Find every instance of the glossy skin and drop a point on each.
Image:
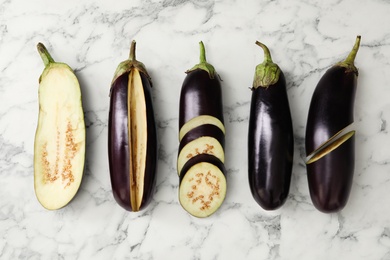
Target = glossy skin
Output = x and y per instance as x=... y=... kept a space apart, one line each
x=118 y=150
x=203 y=130
x=270 y=145
x=331 y=110
x=200 y=95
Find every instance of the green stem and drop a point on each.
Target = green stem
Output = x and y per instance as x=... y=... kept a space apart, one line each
x=45 y=55
x=267 y=54
x=132 y=51
x=202 y=53
x=352 y=55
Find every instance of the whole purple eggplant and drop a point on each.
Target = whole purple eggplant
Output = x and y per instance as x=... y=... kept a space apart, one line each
x=331 y=166
x=270 y=136
x=132 y=138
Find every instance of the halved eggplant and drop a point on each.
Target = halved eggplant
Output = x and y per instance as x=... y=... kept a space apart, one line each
x=270 y=136
x=59 y=147
x=331 y=167
x=132 y=140
x=202 y=185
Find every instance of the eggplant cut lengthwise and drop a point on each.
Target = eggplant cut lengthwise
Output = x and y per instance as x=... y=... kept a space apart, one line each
x=330 y=146
x=270 y=136
x=202 y=186
x=59 y=147
x=132 y=137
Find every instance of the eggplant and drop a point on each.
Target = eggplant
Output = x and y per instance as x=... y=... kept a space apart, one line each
x=270 y=136
x=201 y=94
x=202 y=136
x=202 y=186
x=203 y=139
x=330 y=168
x=59 y=146
x=132 y=136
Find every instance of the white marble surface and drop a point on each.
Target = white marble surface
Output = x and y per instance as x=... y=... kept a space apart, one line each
x=305 y=38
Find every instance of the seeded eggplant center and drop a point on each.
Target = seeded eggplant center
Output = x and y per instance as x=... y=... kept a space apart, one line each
x=201 y=194
x=69 y=151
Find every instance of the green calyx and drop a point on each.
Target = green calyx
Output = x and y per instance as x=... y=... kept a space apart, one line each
x=129 y=64
x=203 y=65
x=349 y=61
x=45 y=55
x=266 y=73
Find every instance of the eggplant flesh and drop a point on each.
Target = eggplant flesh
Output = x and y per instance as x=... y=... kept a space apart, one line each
x=331 y=168
x=202 y=145
x=132 y=142
x=200 y=121
x=202 y=186
x=59 y=147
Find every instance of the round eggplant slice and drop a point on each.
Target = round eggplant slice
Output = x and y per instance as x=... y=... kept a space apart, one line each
x=202 y=188
x=198 y=121
x=202 y=145
x=203 y=130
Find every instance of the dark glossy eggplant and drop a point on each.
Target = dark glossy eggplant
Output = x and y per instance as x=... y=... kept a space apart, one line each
x=202 y=186
x=270 y=136
x=201 y=92
x=132 y=137
x=207 y=139
x=331 y=166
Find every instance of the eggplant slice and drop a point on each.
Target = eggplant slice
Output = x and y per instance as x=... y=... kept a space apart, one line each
x=202 y=186
x=198 y=121
x=59 y=148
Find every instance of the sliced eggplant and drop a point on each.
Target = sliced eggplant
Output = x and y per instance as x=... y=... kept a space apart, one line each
x=59 y=147
x=198 y=121
x=202 y=186
x=202 y=145
x=270 y=136
x=331 y=167
x=132 y=137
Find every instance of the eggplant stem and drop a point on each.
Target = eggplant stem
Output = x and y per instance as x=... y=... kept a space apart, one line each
x=352 y=55
x=132 y=51
x=267 y=53
x=202 y=57
x=45 y=55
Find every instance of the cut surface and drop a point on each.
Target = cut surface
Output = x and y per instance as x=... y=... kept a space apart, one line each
x=137 y=125
x=202 y=145
x=59 y=148
x=202 y=189
x=329 y=147
x=200 y=120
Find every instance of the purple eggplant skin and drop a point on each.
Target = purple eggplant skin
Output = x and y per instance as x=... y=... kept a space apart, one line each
x=200 y=131
x=118 y=140
x=270 y=140
x=201 y=93
x=331 y=110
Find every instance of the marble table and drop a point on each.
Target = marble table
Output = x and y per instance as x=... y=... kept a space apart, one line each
x=305 y=38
